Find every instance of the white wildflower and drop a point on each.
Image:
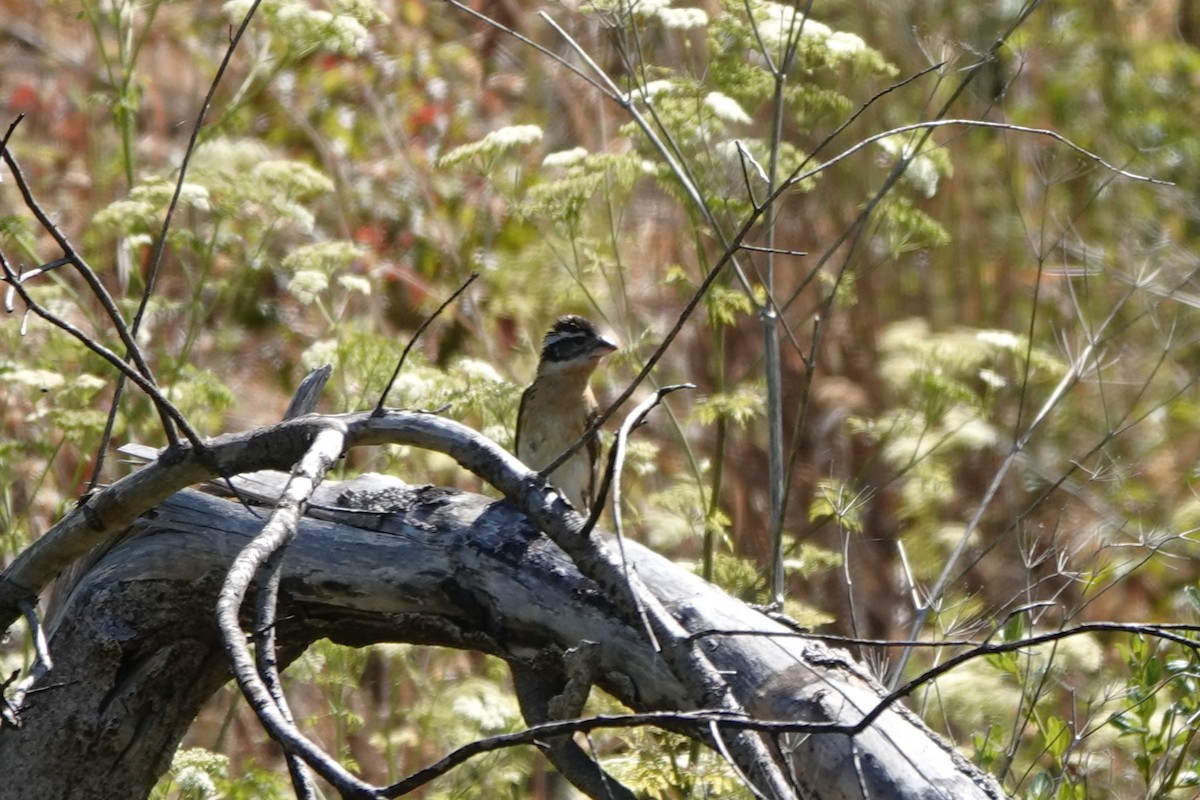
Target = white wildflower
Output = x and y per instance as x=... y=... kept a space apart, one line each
x=495 y=142
x=648 y=7
x=355 y=283
x=1001 y=340
x=488 y=712
x=347 y=36
x=195 y=782
x=291 y=178
x=816 y=30
x=328 y=257
x=41 y=379
x=725 y=108
x=655 y=87
x=565 y=158
x=992 y=379
x=235 y=10
x=779 y=23
x=682 y=18
x=485 y=259
x=513 y=135
x=842 y=43
x=474 y=369
x=320 y=353
x=306 y=284
x=194 y=195
x=89 y=382
x=970 y=433
x=921 y=172
x=365 y=11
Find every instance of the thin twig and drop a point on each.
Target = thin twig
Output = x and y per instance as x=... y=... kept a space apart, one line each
x=416 y=336
x=616 y=457
x=42 y=664
x=681 y=722
x=798 y=177
x=325 y=448
x=267 y=662
x=771 y=320
x=686 y=722
x=612 y=478
x=669 y=154
x=160 y=245
x=160 y=401
x=29 y=274
x=81 y=266
x=304 y=401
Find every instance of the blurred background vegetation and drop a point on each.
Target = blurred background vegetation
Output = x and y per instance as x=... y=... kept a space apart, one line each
x=987 y=383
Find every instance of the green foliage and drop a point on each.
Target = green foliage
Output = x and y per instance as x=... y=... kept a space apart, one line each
x=833 y=500
x=199 y=774
x=906 y=228
x=354 y=169
x=301 y=30
x=740 y=406
x=666 y=766
x=953 y=392
x=1155 y=723
x=572 y=184
x=492 y=146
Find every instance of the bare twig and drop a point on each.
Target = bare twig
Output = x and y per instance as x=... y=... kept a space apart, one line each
x=161 y=242
x=170 y=417
x=267 y=663
x=555 y=691
x=72 y=255
x=42 y=664
x=304 y=401
x=768 y=317
x=612 y=478
x=326 y=447
x=685 y=721
x=417 y=335
x=30 y=274
x=616 y=456
x=974 y=123
x=821 y=317
x=165 y=407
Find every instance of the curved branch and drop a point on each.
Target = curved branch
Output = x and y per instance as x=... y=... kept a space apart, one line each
x=716 y=674
x=974 y=123
x=327 y=447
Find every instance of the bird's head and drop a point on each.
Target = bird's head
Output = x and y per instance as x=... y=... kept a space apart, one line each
x=573 y=343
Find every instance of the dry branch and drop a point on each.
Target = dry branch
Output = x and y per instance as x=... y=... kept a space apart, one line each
x=457 y=570
x=467 y=572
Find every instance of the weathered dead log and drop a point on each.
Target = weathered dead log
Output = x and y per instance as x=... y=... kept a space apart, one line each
x=137 y=653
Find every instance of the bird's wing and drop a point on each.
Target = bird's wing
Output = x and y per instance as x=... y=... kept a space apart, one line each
x=593 y=455
x=520 y=422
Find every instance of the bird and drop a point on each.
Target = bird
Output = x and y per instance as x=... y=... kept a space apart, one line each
x=559 y=406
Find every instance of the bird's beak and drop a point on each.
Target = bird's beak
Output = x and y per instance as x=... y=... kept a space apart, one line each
x=605 y=346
